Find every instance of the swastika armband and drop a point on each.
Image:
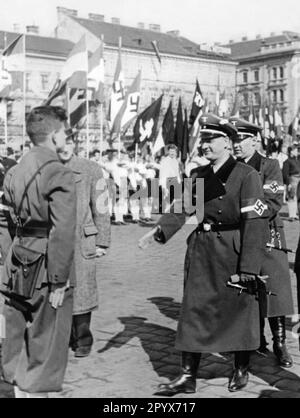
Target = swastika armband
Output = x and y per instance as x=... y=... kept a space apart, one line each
x=274 y=187
x=253 y=208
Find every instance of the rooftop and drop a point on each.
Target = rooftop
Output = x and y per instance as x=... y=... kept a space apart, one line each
x=39 y=44
x=246 y=48
x=140 y=39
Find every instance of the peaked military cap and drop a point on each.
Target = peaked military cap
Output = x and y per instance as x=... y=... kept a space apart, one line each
x=245 y=128
x=213 y=126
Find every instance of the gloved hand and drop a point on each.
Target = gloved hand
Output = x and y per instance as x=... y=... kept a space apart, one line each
x=245 y=277
x=249 y=280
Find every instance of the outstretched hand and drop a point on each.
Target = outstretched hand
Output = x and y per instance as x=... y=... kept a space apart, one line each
x=147 y=239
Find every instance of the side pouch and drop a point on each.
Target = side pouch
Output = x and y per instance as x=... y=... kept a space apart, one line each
x=88 y=241
x=25 y=268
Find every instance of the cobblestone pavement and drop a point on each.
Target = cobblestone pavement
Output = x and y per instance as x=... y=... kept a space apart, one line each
x=134 y=330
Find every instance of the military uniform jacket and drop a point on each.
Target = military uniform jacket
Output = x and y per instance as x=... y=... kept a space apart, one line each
x=51 y=200
x=213 y=317
x=275 y=264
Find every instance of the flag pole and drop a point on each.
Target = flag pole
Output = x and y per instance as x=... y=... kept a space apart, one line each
x=24 y=95
x=119 y=136
x=101 y=130
x=68 y=104
x=101 y=113
x=87 y=126
x=136 y=151
x=5 y=124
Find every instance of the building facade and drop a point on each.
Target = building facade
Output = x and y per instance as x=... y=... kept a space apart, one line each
x=268 y=73
x=182 y=62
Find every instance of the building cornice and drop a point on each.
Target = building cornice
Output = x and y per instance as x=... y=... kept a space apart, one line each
x=172 y=56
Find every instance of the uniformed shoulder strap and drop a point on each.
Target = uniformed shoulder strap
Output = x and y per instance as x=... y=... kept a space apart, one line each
x=18 y=210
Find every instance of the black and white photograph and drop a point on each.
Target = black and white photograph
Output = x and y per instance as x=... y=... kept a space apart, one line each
x=149 y=202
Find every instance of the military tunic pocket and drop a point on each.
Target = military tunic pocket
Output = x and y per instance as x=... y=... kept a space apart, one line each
x=88 y=241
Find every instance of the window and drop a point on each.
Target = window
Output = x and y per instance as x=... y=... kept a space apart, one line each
x=274 y=73
x=246 y=99
x=256 y=75
x=274 y=96
x=281 y=71
x=281 y=94
x=45 y=81
x=245 y=76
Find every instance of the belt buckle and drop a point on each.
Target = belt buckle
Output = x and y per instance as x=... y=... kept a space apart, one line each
x=206 y=227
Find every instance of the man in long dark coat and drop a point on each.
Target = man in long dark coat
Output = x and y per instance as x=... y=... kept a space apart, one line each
x=228 y=241
x=35 y=350
x=91 y=242
x=276 y=264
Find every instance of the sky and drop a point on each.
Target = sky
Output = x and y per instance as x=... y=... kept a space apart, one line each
x=201 y=21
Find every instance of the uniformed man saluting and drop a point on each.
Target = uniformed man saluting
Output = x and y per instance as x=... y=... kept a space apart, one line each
x=276 y=264
x=40 y=193
x=229 y=241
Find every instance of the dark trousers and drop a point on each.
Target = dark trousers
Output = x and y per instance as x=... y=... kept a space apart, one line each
x=81 y=334
x=35 y=355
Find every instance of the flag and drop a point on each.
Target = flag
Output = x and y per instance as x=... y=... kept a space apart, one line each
x=96 y=74
x=13 y=68
x=75 y=68
x=13 y=57
x=294 y=126
x=118 y=93
x=145 y=127
x=3 y=110
x=159 y=143
x=5 y=83
x=58 y=95
x=185 y=140
x=178 y=135
x=168 y=126
x=194 y=132
x=251 y=114
x=78 y=106
x=217 y=104
x=236 y=107
x=130 y=106
x=223 y=106
x=198 y=103
x=156 y=50
x=278 y=124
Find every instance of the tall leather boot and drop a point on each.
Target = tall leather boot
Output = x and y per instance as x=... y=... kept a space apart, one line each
x=277 y=325
x=240 y=375
x=186 y=381
x=263 y=348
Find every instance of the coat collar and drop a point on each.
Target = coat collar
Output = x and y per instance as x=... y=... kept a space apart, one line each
x=255 y=161
x=225 y=170
x=214 y=183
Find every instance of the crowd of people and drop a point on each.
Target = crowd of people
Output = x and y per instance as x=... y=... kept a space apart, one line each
x=53 y=229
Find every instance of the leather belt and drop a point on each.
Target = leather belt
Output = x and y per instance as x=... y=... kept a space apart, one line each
x=210 y=227
x=34 y=232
